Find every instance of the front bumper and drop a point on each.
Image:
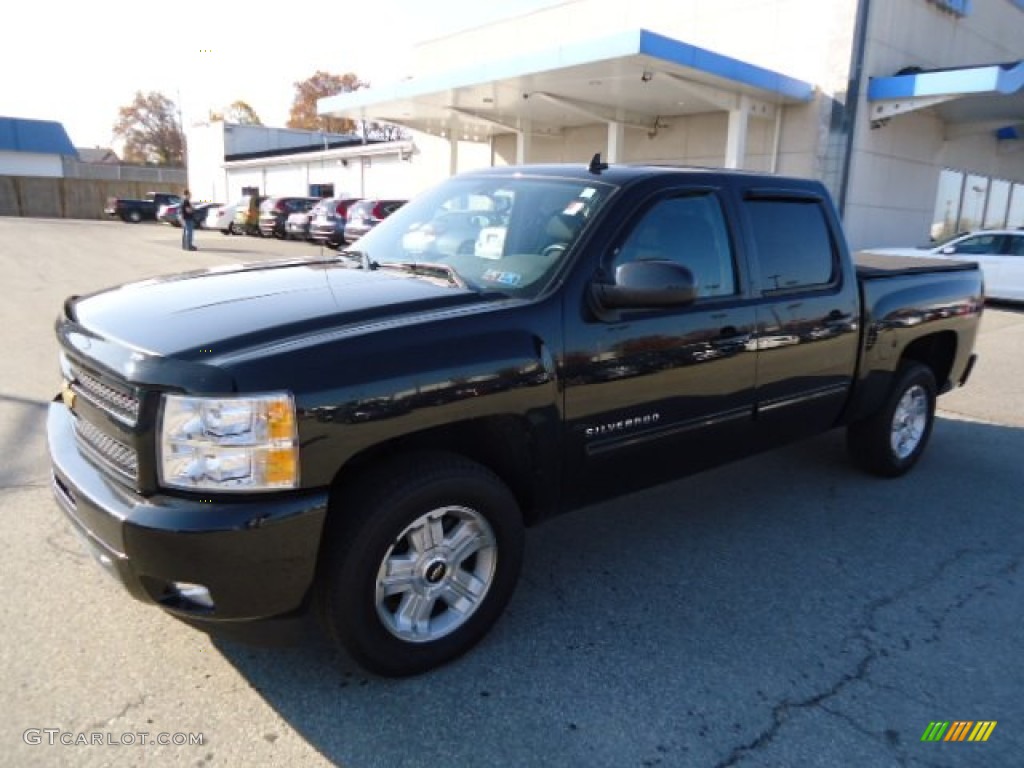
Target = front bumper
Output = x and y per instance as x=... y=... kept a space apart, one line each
x=256 y=555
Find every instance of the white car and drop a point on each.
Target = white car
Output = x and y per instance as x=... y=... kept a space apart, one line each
x=222 y=217
x=999 y=253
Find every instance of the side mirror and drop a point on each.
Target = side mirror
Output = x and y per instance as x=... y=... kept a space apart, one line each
x=949 y=249
x=647 y=284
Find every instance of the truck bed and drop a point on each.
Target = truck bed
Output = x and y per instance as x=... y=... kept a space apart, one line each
x=873 y=265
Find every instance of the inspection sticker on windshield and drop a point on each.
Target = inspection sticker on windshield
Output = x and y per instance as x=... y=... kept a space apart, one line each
x=573 y=208
x=505 y=278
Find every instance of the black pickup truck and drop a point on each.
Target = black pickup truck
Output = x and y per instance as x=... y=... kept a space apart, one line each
x=368 y=434
x=134 y=211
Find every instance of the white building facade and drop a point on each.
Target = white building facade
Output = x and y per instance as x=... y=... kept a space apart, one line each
x=226 y=161
x=908 y=110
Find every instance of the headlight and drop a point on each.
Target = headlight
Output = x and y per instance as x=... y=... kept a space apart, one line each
x=228 y=443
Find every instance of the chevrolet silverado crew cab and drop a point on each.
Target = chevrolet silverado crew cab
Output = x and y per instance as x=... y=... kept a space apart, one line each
x=367 y=435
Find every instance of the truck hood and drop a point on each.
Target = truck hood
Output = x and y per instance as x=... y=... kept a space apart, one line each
x=204 y=314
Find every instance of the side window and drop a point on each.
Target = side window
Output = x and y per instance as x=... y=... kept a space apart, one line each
x=980 y=245
x=794 y=247
x=689 y=230
x=1017 y=245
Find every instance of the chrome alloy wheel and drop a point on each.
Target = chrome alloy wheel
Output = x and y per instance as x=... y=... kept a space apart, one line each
x=436 y=574
x=909 y=421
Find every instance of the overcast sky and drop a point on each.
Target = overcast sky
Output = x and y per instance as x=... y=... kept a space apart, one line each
x=78 y=61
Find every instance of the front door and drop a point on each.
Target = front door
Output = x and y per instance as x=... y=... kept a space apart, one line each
x=655 y=394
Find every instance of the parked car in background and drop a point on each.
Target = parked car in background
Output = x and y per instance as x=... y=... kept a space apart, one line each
x=222 y=217
x=247 y=214
x=327 y=224
x=296 y=226
x=201 y=211
x=364 y=215
x=170 y=213
x=135 y=211
x=274 y=212
x=999 y=253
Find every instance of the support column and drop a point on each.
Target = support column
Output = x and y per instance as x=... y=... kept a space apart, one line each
x=616 y=142
x=524 y=142
x=453 y=152
x=736 y=138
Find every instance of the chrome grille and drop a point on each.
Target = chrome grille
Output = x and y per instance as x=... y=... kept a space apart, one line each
x=112 y=453
x=122 y=404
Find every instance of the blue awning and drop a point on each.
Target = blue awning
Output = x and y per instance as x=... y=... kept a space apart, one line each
x=45 y=137
x=634 y=77
x=989 y=96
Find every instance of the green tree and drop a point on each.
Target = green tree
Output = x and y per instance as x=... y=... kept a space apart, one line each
x=151 y=130
x=321 y=85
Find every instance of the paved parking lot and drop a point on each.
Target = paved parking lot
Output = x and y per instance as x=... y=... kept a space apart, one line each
x=784 y=611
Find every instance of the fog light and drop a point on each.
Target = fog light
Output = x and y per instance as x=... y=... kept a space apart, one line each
x=196 y=594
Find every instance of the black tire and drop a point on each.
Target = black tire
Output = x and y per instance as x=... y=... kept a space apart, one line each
x=134 y=217
x=890 y=442
x=421 y=510
x=233 y=229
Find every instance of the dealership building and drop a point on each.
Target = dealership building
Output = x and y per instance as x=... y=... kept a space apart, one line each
x=910 y=111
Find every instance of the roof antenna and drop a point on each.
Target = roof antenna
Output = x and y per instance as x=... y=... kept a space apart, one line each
x=596 y=166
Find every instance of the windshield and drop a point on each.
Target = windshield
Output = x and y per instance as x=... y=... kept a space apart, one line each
x=494 y=234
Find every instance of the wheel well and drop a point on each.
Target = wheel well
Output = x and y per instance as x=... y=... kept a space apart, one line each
x=504 y=444
x=938 y=352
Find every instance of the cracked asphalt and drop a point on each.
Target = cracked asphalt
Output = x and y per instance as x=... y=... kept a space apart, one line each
x=783 y=611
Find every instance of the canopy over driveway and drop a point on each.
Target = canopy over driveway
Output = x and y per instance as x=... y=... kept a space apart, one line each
x=632 y=79
x=968 y=99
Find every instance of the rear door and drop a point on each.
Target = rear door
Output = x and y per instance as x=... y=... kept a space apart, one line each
x=807 y=332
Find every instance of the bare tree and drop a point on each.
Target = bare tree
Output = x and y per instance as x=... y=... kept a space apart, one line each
x=151 y=130
x=322 y=84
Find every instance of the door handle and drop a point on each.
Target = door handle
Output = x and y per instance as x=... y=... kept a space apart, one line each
x=730 y=336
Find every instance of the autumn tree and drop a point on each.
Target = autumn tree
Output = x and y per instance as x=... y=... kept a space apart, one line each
x=239 y=113
x=321 y=85
x=151 y=130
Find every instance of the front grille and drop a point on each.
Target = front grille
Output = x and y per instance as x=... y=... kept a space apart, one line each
x=120 y=403
x=110 y=452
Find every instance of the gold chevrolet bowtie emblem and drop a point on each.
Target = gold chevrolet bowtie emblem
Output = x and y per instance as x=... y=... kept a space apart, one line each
x=67 y=394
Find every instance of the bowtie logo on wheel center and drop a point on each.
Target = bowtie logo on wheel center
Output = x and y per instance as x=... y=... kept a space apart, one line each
x=435 y=571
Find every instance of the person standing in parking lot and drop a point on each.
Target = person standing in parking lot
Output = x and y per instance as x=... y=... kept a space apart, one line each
x=187 y=211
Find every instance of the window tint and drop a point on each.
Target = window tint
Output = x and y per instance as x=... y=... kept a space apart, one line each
x=1017 y=245
x=793 y=244
x=980 y=245
x=689 y=230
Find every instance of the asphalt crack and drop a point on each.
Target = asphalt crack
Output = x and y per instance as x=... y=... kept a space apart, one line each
x=864 y=633
x=130 y=705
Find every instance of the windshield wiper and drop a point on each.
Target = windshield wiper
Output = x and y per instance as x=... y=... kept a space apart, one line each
x=434 y=269
x=424 y=268
x=361 y=258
